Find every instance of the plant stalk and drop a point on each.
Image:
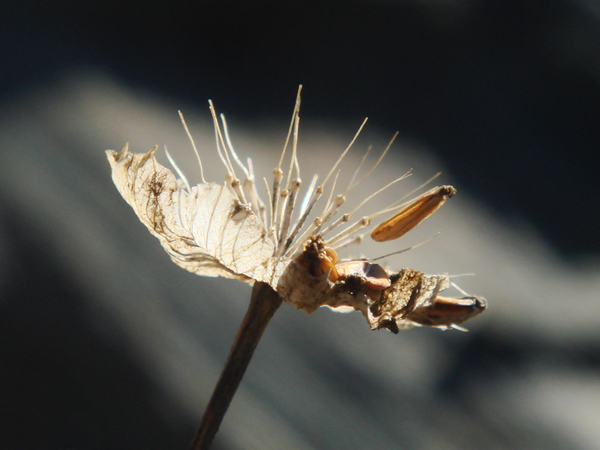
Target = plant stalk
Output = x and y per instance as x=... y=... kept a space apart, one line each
x=263 y=304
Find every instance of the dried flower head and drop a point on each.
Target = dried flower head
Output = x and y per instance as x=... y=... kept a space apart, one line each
x=226 y=230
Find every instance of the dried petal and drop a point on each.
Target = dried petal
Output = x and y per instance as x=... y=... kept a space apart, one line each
x=410 y=290
x=206 y=231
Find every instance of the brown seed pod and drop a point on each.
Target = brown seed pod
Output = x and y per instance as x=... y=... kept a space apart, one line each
x=447 y=312
x=412 y=214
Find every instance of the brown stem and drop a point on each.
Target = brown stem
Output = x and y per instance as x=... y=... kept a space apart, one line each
x=263 y=304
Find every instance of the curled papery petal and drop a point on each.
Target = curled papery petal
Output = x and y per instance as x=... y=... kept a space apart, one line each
x=301 y=289
x=305 y=291
x=313 y=280
x=410 y=290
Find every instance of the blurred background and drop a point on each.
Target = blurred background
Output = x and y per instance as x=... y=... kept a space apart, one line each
x=107 y=344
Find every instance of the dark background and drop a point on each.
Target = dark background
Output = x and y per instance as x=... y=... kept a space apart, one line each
x=505 y=93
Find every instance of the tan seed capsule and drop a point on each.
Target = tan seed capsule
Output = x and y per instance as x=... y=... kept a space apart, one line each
x=448 y=312
x=413 y=214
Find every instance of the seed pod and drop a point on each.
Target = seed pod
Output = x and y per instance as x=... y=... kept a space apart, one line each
x=447 y=312
x=412 y=214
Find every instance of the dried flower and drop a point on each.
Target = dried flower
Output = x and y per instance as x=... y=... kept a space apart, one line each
x=225 y=230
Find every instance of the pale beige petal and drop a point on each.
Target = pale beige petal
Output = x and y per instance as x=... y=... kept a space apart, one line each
x=207 y=231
